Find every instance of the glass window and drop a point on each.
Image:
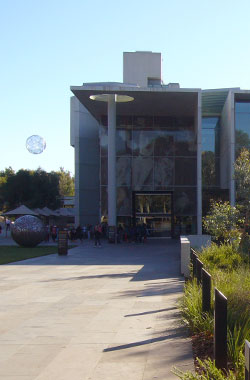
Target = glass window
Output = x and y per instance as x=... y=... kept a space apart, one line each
x=124 y=122
x=242 y=107
x=185 y=201
x=163 y=171
x=104 y=140
x=185 y=143
x=164 y=144
x=142 y=172
x=210 y=134
x=185 y=171
x=104 y=200
x=153 y=203
x=124 y=206
x=210 y=169
x=242 y=128
x=210 y=151
x=123 y=142
x=104 y=170
x=165 y=122
x=185 y=225
x=123 y=171
x=142 y=122
x=143 y=143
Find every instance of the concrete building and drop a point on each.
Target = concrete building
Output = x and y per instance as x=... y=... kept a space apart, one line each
x=154 y=153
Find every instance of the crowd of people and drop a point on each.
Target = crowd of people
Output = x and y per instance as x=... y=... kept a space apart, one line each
x=127 y=234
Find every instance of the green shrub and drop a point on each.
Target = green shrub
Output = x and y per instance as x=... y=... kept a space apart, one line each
x=236 y=287
x=223 y=256
x=191 y=309
x=209 y=371
x=230 y=274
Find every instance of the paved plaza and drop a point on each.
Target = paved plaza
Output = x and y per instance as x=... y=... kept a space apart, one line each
x=105 y=313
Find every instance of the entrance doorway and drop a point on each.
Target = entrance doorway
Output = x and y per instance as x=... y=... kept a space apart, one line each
x=155 y=209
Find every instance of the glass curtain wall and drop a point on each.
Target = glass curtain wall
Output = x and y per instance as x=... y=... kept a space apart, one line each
x=242 y=126
x=153 y=154
x=211 y=162
x=210 y=152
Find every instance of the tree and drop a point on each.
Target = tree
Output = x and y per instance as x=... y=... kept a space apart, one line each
x=223 y=222
x=66 y=183
x=32 y=188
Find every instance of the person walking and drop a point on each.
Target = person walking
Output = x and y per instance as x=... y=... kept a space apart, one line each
x=97 y=235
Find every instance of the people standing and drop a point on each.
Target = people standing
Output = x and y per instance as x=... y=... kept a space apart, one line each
x=97 y=234
x=54 y=233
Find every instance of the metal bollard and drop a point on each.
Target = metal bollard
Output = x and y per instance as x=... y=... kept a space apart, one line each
x=206 y=290
x=220 y=330
x=199 y=266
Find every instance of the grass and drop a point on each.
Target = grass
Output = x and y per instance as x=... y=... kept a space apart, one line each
x=10 y=254
x=230 y=274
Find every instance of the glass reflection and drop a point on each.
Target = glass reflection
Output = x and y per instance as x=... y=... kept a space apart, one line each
x=142 y=172
x=143 y=143
x=142 y=122
x=185 y=201
x=242 y=107
x=185 y=143
x=164 y=144
x=104 y=170
x=185 y=171
x=185 y=225
x=123 y=142
x=104 y=200
x=103 y=140
x=242 y=127
x=153 y=203
x=123 y=171
x=163 y=171
x=124 y=206
x=210 y=151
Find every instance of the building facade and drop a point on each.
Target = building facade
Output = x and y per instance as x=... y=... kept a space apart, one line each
x=146 y=152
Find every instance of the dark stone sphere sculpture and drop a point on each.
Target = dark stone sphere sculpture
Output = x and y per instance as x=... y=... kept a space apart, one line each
x=28 y=231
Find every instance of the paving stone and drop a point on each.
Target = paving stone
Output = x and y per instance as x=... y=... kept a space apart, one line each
x=94 y=314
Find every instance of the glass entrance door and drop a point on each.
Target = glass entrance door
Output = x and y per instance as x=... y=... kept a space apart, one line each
x=155 y=210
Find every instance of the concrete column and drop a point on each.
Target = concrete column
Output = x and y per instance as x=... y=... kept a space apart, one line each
x=112 y=160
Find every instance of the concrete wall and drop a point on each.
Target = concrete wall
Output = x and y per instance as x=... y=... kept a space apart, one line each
x=227 y=147
x=191 y=241
x=85 y=138
x=139 y=66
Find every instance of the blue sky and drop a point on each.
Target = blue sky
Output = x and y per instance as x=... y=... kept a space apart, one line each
x=49 y=45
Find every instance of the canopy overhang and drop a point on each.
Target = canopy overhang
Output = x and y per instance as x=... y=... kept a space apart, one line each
x=159 y=101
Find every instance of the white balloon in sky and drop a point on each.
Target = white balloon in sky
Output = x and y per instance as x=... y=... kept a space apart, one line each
x=35 y=144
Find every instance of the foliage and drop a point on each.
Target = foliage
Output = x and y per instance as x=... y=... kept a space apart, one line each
x=208 y=372
x=217 y=257
x=191 y=309
x=230 y=274
x=34 y=188
x=66 y=183
x=223 y=222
